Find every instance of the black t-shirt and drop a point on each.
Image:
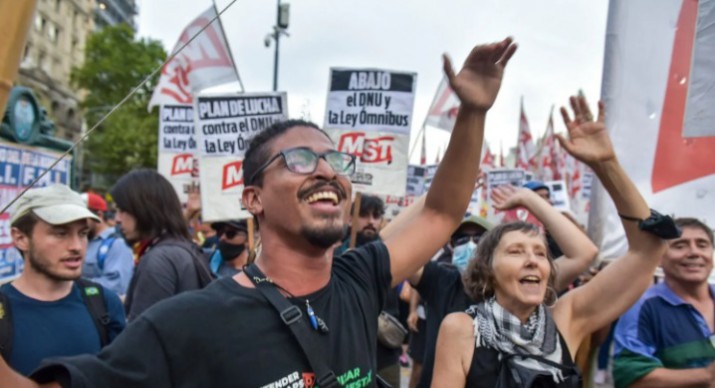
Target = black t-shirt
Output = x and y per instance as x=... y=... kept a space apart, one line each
x=443 y=293
x=230 y=336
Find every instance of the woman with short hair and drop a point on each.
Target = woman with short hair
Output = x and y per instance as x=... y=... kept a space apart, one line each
x=519 y=334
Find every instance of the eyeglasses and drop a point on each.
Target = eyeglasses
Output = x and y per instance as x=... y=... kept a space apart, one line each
x=231 y=233
x=302 y=160
x=460 y=240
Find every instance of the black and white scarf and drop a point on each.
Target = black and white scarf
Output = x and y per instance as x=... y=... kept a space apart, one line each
x=496 y=328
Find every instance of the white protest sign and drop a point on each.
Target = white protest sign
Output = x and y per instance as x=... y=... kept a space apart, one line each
x=177 y=145
x=415 y=188
x=559 y=195
x=225 y=124
x=500 y=177
x=369 y=115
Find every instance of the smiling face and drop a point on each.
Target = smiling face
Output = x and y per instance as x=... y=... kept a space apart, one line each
x=313 y=206
x=521 y=270
x=689 y=259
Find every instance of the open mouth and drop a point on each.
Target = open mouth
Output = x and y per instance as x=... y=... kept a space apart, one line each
x=531 y=279
x=325 y=196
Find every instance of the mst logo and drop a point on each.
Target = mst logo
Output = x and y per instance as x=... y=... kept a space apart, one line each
x=232 y=175
x=182 y=164
x=375 y=150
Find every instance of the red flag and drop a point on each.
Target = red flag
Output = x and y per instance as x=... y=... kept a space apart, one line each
x=205 y=62
x=442 y=113
x=525 y=150
x=549 y=153
x=488 y=159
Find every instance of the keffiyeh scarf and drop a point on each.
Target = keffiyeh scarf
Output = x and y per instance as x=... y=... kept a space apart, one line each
x=496 y=328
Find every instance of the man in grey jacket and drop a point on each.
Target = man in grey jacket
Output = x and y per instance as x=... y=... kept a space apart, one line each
x=149 y=213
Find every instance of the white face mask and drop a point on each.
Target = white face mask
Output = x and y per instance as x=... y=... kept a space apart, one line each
x=462 y=254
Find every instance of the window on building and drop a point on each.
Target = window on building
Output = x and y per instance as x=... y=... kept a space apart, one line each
x=53 y=33
x=41 y=59
x=39 y=23
x=57 y=5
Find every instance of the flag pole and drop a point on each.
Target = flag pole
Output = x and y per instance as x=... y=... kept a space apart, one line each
x=228 y=47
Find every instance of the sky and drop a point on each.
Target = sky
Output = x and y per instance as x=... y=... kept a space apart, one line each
x=561 y=45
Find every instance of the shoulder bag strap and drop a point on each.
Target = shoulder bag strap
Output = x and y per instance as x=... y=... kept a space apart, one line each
x=291 y=316
x=6 y=330
x=93 y=297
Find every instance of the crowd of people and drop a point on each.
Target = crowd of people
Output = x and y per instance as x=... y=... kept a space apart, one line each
x=140 y=304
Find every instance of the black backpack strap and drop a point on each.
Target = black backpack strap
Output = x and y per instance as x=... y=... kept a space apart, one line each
x=291 y=316
x=93 y=297
x=6 y=330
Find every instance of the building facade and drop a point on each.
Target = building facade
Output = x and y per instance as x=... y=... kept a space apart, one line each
x=112 y=12
x=55 y=45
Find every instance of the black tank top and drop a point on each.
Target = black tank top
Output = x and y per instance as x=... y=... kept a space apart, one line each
x=486 y=368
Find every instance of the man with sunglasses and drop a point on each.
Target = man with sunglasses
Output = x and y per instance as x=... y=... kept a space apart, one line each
x=231 y=254
x=297 y=186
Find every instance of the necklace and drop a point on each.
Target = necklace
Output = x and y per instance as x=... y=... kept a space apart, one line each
x=315 y=321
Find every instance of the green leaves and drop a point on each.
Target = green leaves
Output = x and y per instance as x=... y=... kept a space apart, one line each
x=114 y=64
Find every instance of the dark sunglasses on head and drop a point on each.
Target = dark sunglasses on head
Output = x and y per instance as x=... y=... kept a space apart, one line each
x=465 y=239
x=231 y=233
x=302 y=160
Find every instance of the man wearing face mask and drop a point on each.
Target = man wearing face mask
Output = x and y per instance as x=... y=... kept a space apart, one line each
x=231 y=254
x=464 y=242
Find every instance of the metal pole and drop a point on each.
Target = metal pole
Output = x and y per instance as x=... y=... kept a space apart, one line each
x=277 y=36
x=15 y=21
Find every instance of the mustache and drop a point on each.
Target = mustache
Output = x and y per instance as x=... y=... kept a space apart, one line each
x=316 y=187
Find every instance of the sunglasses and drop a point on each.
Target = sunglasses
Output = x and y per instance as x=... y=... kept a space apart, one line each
x=465 y=239
x=302 y=160
x=231 y=233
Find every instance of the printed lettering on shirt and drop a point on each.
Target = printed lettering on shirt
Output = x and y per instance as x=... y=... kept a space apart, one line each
x=293 y=380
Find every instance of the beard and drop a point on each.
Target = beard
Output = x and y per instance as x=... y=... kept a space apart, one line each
x=363 y=238
x=323 y=237
x=43 y=267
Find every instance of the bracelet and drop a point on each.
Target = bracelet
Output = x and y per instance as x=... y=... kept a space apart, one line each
x=628 y=218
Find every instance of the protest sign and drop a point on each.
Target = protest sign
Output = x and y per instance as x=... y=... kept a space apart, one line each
x=369 y=115
x=559 y=195
x=414 y=189
x=500 y=177
x=19 y=166
x=177 y=146
x=225 y=124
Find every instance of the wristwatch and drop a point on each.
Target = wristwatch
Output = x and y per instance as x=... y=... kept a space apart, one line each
x=657 y=224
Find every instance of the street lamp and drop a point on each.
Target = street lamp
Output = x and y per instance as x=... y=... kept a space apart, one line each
x=282 y=19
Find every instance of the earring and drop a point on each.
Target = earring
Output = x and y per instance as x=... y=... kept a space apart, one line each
x=553 y=300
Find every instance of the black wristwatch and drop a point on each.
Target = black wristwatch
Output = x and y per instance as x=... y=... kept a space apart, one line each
x=657 y=224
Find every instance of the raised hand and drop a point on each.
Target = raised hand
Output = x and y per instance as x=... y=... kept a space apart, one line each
x=477 y=84
x=588 y=140
x=508 y=197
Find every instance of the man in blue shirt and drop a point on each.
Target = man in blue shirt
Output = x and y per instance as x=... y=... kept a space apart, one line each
x=48 y=315
x=666 y=338
x=109 y=260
